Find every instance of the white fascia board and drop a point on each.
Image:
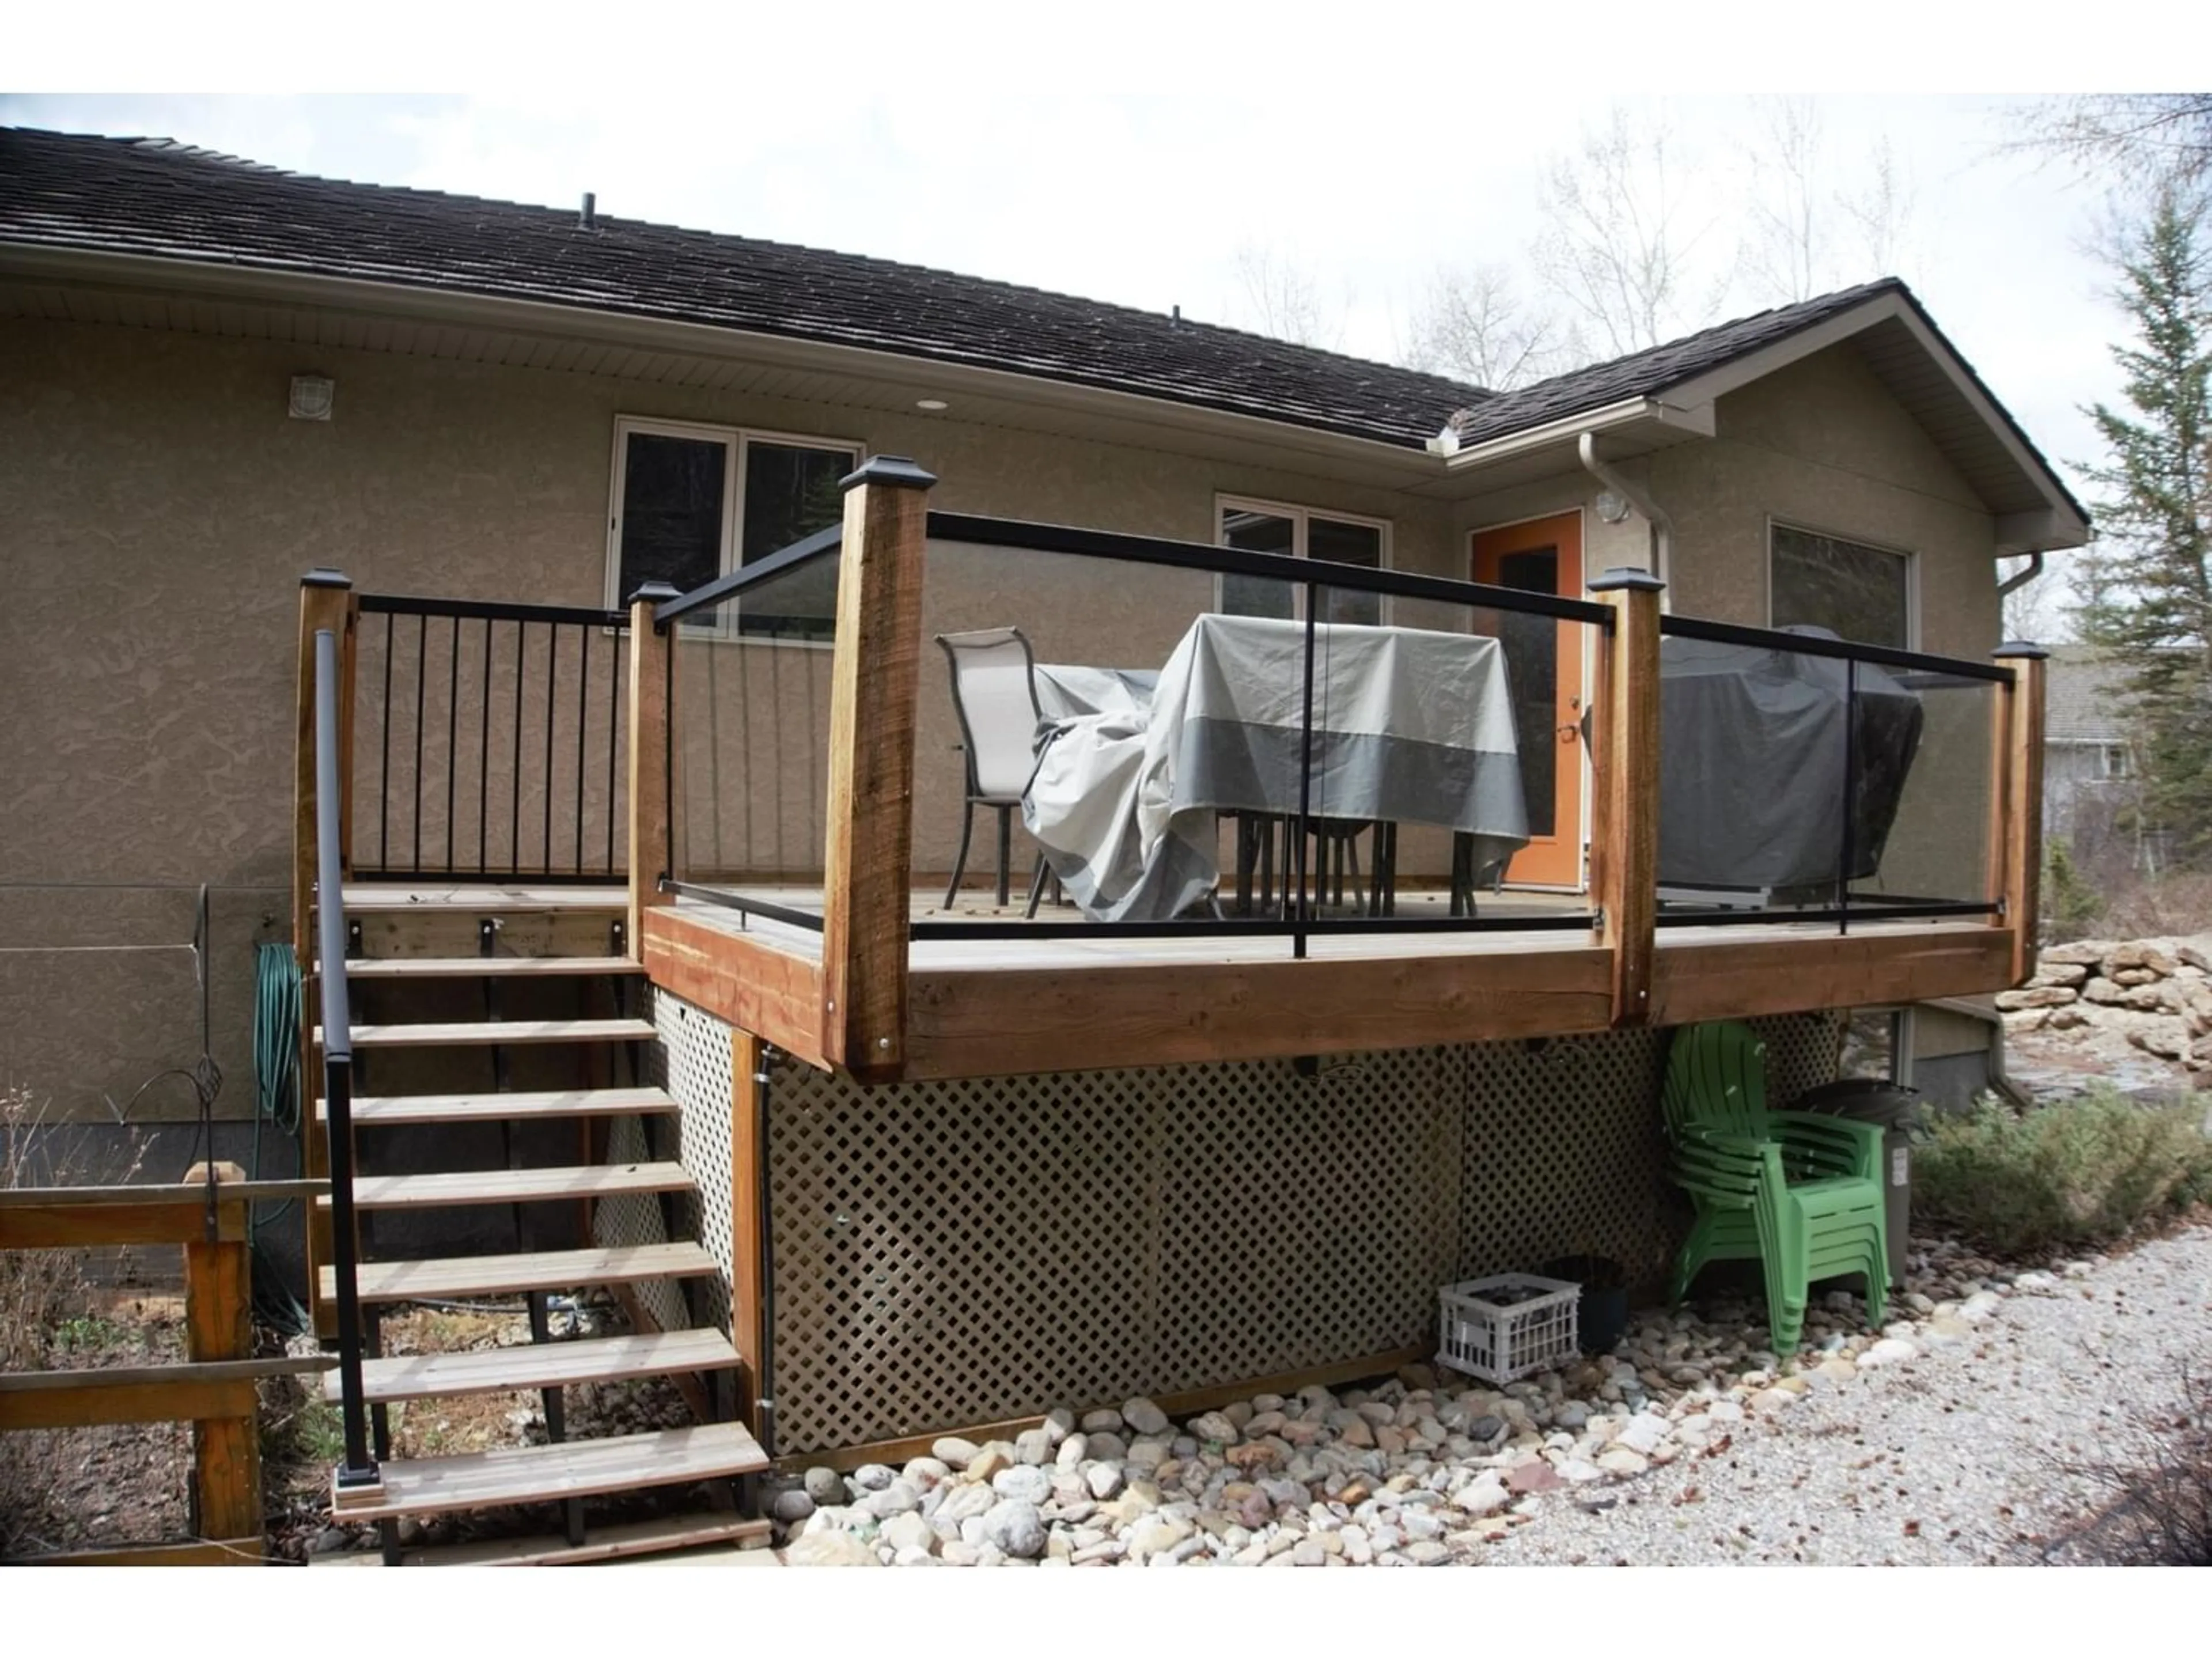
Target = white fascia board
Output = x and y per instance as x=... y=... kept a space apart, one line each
x=1680 y=416
x=554 y=321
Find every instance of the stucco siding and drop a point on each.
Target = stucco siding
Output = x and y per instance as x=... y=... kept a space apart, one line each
x=162 y=507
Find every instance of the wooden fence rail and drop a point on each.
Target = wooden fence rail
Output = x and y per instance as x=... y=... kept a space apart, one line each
x=213 y=1388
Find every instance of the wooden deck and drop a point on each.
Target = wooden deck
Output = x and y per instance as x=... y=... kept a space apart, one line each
x=994 y=1005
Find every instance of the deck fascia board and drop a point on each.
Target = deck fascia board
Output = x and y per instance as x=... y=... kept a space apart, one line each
x=774 y=993
x=999 y=1016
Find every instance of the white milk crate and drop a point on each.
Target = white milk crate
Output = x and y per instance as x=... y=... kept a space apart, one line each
x=1508 y=1326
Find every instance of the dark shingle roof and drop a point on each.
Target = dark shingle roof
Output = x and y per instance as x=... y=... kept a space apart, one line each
x=154 y=197
x=1647 y=374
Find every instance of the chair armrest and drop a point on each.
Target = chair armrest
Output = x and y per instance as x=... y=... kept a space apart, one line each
x=1854 y=1146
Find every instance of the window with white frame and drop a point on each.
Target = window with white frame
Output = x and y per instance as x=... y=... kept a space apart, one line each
x=693 y=502
x=1860 y=592
x=2114 y=761
x=1300 y=533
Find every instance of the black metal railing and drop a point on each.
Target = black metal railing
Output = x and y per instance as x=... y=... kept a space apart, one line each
x=359 y=1469
x=1915 y=672
x=488 y=741
x=1298 y=917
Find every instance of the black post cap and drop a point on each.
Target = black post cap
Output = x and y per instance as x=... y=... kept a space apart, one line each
x=893 y=472
x=323 y=576
x=655 y=592
x=1625 y=576
x=2028 y=648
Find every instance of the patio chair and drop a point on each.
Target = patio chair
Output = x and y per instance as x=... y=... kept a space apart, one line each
x=1800 y=1192
x=994 y=694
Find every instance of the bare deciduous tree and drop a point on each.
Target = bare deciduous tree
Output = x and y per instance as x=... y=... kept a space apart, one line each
x=1615 y=247
x=1278 y=297
x=1474 y=325
x=2136 y=138
x=1805 y=234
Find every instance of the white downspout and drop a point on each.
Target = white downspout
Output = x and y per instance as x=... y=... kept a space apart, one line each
x=1662 y=527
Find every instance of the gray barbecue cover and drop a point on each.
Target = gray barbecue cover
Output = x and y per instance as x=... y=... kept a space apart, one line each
x=1752 y=764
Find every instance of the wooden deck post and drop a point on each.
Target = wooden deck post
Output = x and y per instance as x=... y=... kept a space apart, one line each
x=2019 y=854
x=652 y=759
x=748 y=1325
x=874 y=679
x=1624 y=825
x=219 y=1325
x=326 y=600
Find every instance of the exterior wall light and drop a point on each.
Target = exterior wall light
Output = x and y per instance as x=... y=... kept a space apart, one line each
x=312 y=397
x=934 y=406
x=1612 y=505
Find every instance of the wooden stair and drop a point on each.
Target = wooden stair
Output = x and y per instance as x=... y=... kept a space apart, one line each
x=533 y=1186
x=462 y=1034
x=539 y=1365
x=575 y=1468
x=450 y=1277
x=491 y=1107
x=496 y=1033
x=379 y=970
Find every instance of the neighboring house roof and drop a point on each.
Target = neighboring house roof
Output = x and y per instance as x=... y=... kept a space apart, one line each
x=156 y=198
x=2084 y=696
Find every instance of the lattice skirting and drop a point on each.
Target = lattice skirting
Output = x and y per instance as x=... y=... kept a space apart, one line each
x=955 y=1252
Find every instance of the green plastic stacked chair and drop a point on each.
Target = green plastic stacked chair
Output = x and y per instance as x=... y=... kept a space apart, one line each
x=1799 y=1192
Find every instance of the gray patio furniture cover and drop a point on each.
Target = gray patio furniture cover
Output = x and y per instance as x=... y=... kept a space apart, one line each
x=1751 y=774
x=1410 y=725
x=1066 y=690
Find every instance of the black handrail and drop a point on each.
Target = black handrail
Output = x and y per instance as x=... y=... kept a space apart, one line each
x=417 y=605
x=1078 y=543
x=1815 y=645
x=780 y=563
x=359 y=1468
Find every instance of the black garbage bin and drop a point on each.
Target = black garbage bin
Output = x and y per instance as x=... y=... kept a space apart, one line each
x=1891 y=1105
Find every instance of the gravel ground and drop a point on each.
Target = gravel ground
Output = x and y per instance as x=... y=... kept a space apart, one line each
x=1954 y=1458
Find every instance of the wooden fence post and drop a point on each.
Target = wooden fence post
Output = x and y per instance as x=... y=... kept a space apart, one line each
x=326 y=600
x=2020 y=810
x=874 y=680
x=653 y=746
x=219 y=1325
x=1625 y=823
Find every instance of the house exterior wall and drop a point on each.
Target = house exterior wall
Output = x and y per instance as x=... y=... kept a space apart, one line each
x=162 y=507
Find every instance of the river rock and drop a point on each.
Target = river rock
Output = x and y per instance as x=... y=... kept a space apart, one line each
x=1024 y=1482
x=791 y=1505
x=1015 y=1526
x=831 y=1549
x=954 y=1452
x=1104 y=1479
x=1143 y=1416
x=873 y=1477
x=1033 y=1446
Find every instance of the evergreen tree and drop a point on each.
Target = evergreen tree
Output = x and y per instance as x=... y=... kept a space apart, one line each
x=2147 y=585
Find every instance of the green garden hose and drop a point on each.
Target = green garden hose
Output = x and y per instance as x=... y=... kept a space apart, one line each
x=276 y=1092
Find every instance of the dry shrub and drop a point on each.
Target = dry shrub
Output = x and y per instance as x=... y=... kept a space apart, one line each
x=2163 y=908
x=39 y=1289
x=2160 y=1513
x=2074 y=1173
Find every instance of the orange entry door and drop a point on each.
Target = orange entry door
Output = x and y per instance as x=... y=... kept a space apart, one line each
x=1543 y=671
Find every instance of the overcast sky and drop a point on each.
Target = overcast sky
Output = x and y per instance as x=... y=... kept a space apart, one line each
x=1357 y=162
